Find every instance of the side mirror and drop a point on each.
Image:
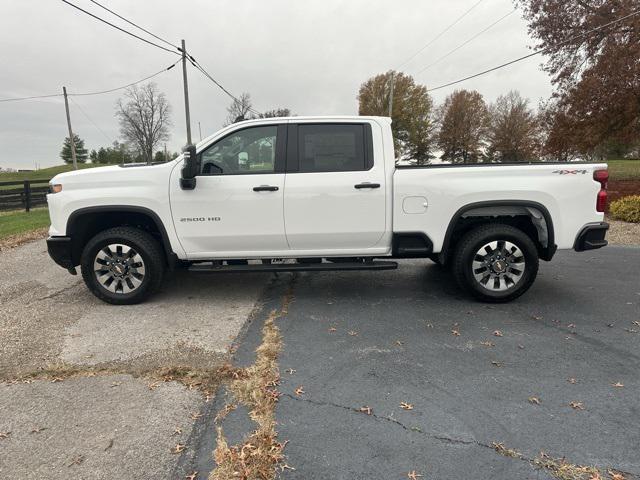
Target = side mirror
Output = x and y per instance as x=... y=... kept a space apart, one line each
x=190 y=168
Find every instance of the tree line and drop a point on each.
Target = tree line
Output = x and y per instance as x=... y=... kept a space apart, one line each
x=592 y=51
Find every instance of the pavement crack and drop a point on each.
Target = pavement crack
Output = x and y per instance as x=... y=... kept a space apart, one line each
x=440 y=438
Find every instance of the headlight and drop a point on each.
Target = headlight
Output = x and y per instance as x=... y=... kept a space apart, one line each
x=55 y=187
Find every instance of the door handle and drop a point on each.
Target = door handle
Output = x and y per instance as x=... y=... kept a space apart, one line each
x=367 y=185
x=266 y=188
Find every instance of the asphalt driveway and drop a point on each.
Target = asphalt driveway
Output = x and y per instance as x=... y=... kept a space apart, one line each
x=556 y=371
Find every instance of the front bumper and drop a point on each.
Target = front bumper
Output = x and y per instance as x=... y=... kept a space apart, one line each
x=591 y=236
x=60 y=251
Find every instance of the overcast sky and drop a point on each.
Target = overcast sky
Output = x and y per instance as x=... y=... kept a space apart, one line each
x=310 y=56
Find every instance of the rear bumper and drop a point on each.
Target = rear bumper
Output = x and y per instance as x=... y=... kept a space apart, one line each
x=60 y=251
x=591 y=236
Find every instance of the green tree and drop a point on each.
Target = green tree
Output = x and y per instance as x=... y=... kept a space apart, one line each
x=412 y=124
x=81 y=152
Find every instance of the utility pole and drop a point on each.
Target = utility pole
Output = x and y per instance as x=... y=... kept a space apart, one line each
x=73 y=143
x=200 y=130
x=186 y=92
x=391 y=94
x=166 y=157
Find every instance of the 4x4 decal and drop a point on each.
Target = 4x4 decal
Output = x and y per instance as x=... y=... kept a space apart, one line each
x=570 y=172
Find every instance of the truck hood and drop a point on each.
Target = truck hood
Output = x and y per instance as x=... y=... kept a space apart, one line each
x=112 y=173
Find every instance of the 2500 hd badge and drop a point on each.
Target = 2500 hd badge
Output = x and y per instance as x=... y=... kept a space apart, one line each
x=200 y=219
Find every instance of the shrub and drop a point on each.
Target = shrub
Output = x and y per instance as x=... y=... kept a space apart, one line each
x=626 y=209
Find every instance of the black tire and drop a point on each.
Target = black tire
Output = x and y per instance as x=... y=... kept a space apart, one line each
x=473 y=241
x=143 y=244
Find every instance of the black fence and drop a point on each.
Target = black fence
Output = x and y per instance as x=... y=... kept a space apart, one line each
x=23 y=194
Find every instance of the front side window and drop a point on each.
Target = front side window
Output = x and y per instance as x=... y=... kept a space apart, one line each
x=251 y=150
x=331 y=148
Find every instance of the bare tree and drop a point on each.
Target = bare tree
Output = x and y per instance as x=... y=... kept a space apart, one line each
x=513 y=134
x=239 y=109
x=463 y=126
x=144 y=116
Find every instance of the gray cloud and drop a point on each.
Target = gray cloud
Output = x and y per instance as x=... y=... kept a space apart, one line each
x=310 y=56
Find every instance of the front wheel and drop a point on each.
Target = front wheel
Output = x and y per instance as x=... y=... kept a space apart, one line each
x=122 y=265
x=495 y=263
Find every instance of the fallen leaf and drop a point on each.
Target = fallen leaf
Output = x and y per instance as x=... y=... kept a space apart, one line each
x=406 y=406
x=487 y=344
x=286 y=467
x=521 y=347
x=56 y=379
x=429 y=325
x=193 y=476
x=4 y=434
x=365 y=409
x=630 y=330
x=617 y=385
x=610 y=325
x=571 y=325
x=498 y=333
x=195 y=415
x=399 y=343
x=615 y=475
x=76 y=460
x=299 y=391
x=154 y=385
x=353 y=333
x=176 y=431
x=332 y=329
x=572 y=381
x=455 y=332
x=178 y=448
x=536 y=317
x=38 y=429
x=115 y=384
x=290 y=371
x=636 y=322
x=497 y=364
x=534 y=400
x=577 y=405
x=413 y=475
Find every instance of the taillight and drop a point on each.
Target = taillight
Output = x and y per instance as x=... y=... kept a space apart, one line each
x=602 y=177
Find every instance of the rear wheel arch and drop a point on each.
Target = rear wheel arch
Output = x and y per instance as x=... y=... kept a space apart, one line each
x=531 y=217
x=84 y=223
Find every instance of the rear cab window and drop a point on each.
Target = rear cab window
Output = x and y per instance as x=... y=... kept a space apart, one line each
x=329 y=147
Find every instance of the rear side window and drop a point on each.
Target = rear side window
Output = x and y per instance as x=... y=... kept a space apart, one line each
x=331 y=148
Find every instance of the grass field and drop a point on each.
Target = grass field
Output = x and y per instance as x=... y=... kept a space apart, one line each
x=14 y=223
x=624 y=169
x=43 y=173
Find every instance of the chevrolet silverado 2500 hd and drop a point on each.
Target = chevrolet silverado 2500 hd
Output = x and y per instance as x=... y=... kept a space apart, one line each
x=318 y=193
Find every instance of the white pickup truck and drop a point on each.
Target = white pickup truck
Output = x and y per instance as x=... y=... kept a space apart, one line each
x=319 y=193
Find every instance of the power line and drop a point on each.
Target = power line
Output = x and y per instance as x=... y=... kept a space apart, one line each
x=537 y=52
x=197 y=65
x=92 y=93
x=18 y=99
x=433 y=40
x=451 y=52
x=135 y=25
x=127 y=85
x=119 y=28
x=94 y=123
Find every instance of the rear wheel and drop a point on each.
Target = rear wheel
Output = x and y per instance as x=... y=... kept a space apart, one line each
x=495 y=263
x=122 y=265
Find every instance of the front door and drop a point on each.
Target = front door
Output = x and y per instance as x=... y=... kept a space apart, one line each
x=236 y=208
x=334 y=198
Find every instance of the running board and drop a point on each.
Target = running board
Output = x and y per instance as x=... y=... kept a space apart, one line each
x=292 y=267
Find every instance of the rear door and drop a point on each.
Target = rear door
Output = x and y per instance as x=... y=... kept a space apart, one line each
x=334 y=190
